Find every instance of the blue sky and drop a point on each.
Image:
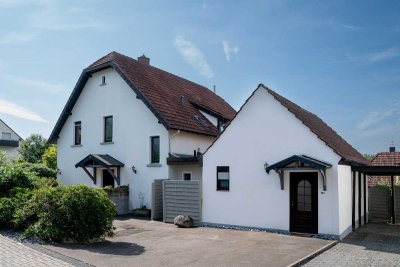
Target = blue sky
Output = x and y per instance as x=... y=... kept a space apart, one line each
x=338 y=59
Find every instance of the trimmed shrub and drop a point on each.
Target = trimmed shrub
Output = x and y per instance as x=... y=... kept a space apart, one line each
x=12 y=177
x=77 y=213
x=38 y=169
x=49 y=158
x=7 y=208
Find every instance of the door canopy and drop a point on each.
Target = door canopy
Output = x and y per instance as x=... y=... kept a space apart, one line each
x=299 y=162
x=100 y=161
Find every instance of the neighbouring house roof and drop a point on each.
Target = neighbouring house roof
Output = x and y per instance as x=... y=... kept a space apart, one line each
x=172 y=99
x=386 y=159
x=316 y=125
x=20 y=138
x=93 y=160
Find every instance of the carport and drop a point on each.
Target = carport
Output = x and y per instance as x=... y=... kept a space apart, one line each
x=375 y=171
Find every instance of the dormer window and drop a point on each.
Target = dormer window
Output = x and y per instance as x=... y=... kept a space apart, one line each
x=103 y=80
x=202 y=122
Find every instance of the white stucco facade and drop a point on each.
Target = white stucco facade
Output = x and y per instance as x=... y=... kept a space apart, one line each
x=133 y=126
x=8 y=134
x=264 y=131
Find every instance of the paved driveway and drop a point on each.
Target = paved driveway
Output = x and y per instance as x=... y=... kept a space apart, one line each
x=371 y=245
x=147 y=243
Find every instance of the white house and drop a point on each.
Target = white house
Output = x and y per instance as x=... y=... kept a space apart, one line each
x=9 y=140
x=279 y=167
x=129 y=123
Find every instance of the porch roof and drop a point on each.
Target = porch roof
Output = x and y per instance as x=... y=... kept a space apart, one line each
x=299 y=162
x=302 y=161
x=98 y=160
x=182 y=159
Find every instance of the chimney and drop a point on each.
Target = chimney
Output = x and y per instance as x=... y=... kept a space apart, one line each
x=392 y=148
x=144 y=60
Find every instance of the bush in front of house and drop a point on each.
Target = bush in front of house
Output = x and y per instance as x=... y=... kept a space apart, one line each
x=38 y=169
x=14 y=177
x=62 y=213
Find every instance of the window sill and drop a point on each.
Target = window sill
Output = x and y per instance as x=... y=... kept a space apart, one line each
x=103 y=84
x=76 y=145
x=154 y=165
x=106 y=143
x=222 y=190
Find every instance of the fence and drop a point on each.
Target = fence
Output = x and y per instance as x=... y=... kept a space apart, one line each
x=380 y=204
x=181 y=198
x=157 y=200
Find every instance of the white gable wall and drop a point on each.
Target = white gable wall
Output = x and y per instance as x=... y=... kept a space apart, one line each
x=12 y=152
x=133 y=124
x=265 y=131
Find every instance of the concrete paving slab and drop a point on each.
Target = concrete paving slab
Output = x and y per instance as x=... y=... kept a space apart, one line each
x=150 y=243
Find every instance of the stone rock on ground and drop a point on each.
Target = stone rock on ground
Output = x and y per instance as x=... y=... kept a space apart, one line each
x=184 y=221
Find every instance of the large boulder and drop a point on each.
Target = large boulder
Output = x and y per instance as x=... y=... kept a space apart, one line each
x=184 y=221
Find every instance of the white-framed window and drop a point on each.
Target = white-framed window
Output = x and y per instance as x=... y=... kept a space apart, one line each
x=6 y=136
x=222 y=178
x=186 y=176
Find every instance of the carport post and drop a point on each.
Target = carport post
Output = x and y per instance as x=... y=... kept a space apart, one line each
x=393 y=208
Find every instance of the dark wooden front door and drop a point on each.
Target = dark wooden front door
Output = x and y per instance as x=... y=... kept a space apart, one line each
x=108 y=180
x=304 y=202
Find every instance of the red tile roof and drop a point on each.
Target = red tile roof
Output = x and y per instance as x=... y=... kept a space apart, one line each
x=386 y=159
x=322 y=130
x=164 y=91
x=174 y=100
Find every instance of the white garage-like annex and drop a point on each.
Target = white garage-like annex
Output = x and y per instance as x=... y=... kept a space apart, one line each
x=279 y=167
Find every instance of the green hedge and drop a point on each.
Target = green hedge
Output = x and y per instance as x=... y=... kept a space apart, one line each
x=38 y=169
x=39 y=206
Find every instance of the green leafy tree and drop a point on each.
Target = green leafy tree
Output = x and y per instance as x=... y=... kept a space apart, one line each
x=369 y=156
x=32 y=148
x=4 y=161
x=49 y=158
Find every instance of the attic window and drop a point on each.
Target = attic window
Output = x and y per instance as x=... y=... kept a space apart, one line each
x=201 y=121
x=103 y=80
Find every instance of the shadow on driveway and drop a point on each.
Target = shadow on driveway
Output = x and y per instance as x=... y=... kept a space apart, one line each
x=109 y=247
x=376 y=237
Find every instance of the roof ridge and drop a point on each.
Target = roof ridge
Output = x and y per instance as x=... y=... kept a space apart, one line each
x=170 y=73
x=282 y=99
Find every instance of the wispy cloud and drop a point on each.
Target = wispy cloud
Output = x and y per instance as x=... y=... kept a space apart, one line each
x=373 y=118
x=33 y=84
x=193 y=56
x=13 y=109
x=229 y=50
x=17 y=37
x=386 y=54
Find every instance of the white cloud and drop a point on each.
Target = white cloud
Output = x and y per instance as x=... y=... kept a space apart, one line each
x=17 y=37
x=12 y=109
x=33 y=84
x=384 y=55
x=229 y=50
x=193 y=56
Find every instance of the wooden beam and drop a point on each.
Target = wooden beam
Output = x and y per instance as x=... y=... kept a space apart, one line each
x=281 y=178
x=365 y=198
x=113 y=175
x=89 y=174
x=359 y=199
x=323 y=174
x=354 y=202
x=393 y=202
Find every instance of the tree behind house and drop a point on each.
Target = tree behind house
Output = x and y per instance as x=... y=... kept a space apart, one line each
x=32 y=148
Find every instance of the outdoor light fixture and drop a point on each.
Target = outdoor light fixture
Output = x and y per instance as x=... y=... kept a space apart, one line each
x=58 y=171
x=133 y=169
x=265 y=165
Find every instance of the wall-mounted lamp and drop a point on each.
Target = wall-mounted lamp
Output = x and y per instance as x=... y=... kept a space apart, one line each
x=265 y=165
x=133 y=169
x=58 y=171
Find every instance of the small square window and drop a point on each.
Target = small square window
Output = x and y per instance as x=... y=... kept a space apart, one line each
x=187 y=176
x=6 y=136
x=108 y=129
x=223 y=178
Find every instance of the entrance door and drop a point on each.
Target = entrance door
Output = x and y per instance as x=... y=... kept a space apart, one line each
x=108 y=179
x=304 y=202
